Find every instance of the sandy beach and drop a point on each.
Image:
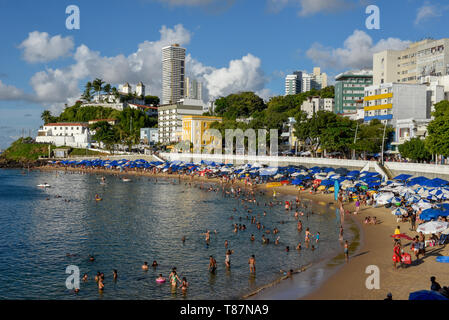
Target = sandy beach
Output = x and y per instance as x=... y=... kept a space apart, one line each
x=373 y=247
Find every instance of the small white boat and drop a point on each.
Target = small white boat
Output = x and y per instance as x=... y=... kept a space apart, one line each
x=44 y=185
x=126 y=180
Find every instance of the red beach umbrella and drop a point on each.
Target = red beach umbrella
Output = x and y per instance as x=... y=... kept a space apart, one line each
x=402 y=235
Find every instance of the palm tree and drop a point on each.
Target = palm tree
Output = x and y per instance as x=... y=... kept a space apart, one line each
x=115 y=93
x=46 y=116
x=107 y=90
x=98 y=86
x=87 y=95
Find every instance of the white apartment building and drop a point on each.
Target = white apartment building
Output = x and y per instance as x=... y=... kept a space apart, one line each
x=293 y=83
x=407 y=129
x=390 y=102
x=76 y=135
x=424 y=58
x=439 y=87
x=315 y=104
x=173 y=73
x=301 y=81
x=170 y=120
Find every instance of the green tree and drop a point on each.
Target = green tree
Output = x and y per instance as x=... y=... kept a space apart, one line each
x=154 y=100
x=437 y=141
x=105 y=133
x=415 y=149
x=47 y=117
x=239 y=105
x=98 y=86
x=369 y=137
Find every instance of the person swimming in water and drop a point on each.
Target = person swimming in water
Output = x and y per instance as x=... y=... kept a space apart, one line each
x=114 y=274
x=184 y=284
x=145 y=266
x=160 y=279
x=212 y=264
x=154 y=265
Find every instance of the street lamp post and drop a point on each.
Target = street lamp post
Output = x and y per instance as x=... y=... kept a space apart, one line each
x=383 y=142
x=355 y=140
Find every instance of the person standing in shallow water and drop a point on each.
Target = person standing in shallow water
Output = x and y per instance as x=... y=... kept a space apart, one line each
x=346 y=250
x=252 y=264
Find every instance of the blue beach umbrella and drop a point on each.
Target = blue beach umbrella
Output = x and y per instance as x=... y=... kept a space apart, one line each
x=426 y=295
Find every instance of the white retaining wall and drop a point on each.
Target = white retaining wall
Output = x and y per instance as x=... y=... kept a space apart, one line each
x=416 y=169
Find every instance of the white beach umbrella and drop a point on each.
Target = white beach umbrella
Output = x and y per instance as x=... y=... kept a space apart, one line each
x=432 y=227
x=384 y=198
x=399 y=212
x=404 y=191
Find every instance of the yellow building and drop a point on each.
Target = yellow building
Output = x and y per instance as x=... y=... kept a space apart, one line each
x=194 y=127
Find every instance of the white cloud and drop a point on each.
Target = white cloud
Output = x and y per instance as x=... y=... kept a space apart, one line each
x=8 y=92
x=53 y=87
x=357 y=51
x=428 y=11
x=310 y=7
x=243 y=74
x=39 y=47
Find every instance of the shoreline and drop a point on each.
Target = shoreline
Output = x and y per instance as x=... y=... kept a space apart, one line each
x=373 y=248
x=319 y=199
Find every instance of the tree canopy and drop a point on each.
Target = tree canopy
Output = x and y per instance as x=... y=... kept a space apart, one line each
x=437 y=141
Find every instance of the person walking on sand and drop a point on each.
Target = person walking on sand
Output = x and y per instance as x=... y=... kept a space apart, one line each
x=346 y=250
x=357 y=206
x=340 y=237
x=252 y=264
x=397 y=255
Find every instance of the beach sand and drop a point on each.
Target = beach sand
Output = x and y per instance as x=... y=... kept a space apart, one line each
x=373 y=246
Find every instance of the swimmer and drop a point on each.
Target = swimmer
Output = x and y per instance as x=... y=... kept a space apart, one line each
x=252 y=264
x=226 y=243
x=154 y=265
x=277 y=241
x=91 y=258
x=114 y=274
x=298 y=247
x=173 y=277
x=287 y=249
x=100 y=285
x=145 y=266
x=85 y=277
x=252 y=238
x=228 y=258
x=160 y=279
x=184 y=284
x=212 y=264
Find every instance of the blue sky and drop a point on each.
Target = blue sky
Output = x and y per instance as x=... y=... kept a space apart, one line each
x=264 y=39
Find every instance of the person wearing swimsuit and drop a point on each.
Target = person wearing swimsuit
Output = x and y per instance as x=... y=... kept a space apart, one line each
x=173 y=277
x=228 y=258
x=212 y=264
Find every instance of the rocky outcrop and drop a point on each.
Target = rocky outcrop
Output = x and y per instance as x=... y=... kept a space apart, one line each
x=8 y=163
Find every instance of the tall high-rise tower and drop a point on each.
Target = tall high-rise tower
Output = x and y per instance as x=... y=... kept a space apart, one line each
x=173 y=71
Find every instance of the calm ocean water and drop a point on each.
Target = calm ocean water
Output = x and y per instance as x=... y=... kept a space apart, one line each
x=140 y=221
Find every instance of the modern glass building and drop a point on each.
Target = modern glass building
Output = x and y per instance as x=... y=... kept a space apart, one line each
x=350 y=89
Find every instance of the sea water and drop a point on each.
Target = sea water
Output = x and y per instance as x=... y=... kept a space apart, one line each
x=43 y=231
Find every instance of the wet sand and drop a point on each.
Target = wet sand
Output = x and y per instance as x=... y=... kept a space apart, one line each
x=373 y=245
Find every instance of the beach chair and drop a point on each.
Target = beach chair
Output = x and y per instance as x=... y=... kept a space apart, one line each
x=443 y=239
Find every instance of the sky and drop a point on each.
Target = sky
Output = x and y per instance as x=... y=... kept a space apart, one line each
x=232 y=45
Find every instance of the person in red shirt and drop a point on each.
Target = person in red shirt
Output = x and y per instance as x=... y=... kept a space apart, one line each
x=397 y=255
